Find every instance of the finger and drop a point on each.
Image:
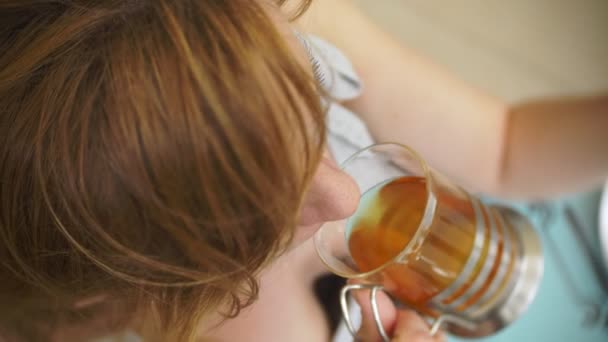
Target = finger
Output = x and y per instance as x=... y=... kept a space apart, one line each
x=410 y=327
x=388 y=315
x=440 y=337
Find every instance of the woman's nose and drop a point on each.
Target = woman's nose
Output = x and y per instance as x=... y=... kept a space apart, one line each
x=333 y=195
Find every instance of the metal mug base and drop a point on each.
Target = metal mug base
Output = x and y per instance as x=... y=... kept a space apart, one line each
x=518 y=296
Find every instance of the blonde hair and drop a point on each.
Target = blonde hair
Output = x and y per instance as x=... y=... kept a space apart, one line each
x=153 y=154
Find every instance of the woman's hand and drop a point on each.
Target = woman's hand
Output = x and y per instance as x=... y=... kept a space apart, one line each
x=401 y=325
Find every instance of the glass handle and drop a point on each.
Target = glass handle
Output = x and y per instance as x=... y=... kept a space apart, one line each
x=435 y=324
x=372 y=298
x=447 y=318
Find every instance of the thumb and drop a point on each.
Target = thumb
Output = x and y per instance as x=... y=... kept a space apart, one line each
x=388 y=315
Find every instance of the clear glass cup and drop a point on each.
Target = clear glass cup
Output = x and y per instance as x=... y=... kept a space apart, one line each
x=430 y=245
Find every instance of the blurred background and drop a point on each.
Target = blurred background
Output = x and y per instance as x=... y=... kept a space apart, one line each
x=515 y=49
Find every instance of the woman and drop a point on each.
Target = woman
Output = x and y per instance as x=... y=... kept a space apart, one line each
x=156 y=157
x=538 y=149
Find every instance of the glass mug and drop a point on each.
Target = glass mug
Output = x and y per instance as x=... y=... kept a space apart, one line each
x=464 y=265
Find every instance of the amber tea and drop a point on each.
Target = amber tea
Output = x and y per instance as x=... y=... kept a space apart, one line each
x=387 y=219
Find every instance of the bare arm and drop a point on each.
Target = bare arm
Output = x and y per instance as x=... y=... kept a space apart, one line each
x=556 y=145
x=476 y=139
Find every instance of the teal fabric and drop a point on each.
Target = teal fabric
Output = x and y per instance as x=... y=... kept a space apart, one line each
x=571 y=304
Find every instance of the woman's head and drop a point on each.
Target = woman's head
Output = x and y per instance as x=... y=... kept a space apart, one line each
x=154 y=155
